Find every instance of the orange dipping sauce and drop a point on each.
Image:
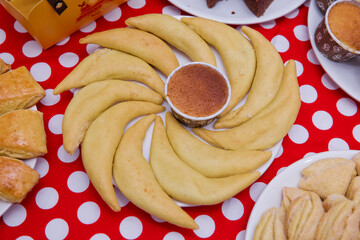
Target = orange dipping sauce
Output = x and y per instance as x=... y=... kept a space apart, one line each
x=197 y=90
x=344 y=22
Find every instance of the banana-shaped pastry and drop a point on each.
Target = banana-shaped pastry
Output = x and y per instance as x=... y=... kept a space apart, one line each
x=235 y=50
x=95 y=98
x=101 y=140
x=208 y=160
x=269 y=126
x=185 y=184
x=135 y=179
x=269 y=70
x=139 y=43
x=175 y=33
x=111 y=64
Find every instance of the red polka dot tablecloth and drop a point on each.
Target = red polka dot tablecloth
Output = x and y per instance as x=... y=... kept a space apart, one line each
x=64 y=204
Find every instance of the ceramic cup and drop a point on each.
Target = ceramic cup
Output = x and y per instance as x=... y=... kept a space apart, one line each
x=186 y=119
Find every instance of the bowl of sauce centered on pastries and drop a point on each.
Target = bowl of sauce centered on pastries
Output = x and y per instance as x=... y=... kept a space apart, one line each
x=344 y=23
x=197 y=93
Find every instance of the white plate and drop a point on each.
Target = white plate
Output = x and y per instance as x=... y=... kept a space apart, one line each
x=4 y=206
x=236 y=11
x=272 y=194
x=344 y=74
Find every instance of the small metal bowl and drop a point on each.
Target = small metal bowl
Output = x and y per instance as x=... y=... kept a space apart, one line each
x=192 y=121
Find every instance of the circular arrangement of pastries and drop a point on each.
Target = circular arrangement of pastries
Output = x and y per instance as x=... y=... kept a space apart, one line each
x=98 y=114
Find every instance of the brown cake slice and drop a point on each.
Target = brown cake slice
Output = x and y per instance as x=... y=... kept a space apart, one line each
x=211 y=3
x=258 y=7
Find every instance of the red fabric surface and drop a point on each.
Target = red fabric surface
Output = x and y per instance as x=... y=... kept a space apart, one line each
x=340 y=136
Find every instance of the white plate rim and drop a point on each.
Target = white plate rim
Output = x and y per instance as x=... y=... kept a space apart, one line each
x=271 y=195
x=277 y=9
x=4 y=206
x=338 y=72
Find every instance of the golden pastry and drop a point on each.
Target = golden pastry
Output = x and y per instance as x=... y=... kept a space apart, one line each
x=269 y=126
x=139 y=43
x=235 y=50
x=107 y=64
x=94 y=99
x=266 y=83
x=133 y=176
x=265 y=228
x=18 y=90
x=22 y=134
x=356 y=159
x=209 y=160
x=101 y=140
x=16 y=179
x=185 y=184
x=316 y=176
x=4 y=67
x=175 y=33
x=334 y=221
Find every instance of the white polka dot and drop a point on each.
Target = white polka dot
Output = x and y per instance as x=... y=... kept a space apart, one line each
x=173 y=236
x=241 y=235
x=78 y=182
x=50 y=99
x=298 y=134
x=2 y=36
x=41 y=71
x=136 y=4
x=312 y=58
x=256 y=189
x=7 y=58
x=268 y=24
x=68 y=59
x=114 y=15
x=308 y=94
x=55 y=124
x=280 y=170
x=322 y=120
x=15 y=216
x=292 y=14
x=88 y=213
x=88 y=28
x=57 y=229
x=280 y=43
x=280 y=152
x=47 y=198
x=131 y=228
x=338 y=144
x=156 y=219
x=171 y=10
x=301 y=33
x=356 y=133
x=346 y=107
x=206 y=226
x=233 y=209
x=65 y=157
x=123 y=201
x=32 y=49
x=100 y=236
x=42 y=166
x=63 y=42
x=19 y=28
x=299 y=68
x=91 y=48
x=328 y=82
x=24 y=238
